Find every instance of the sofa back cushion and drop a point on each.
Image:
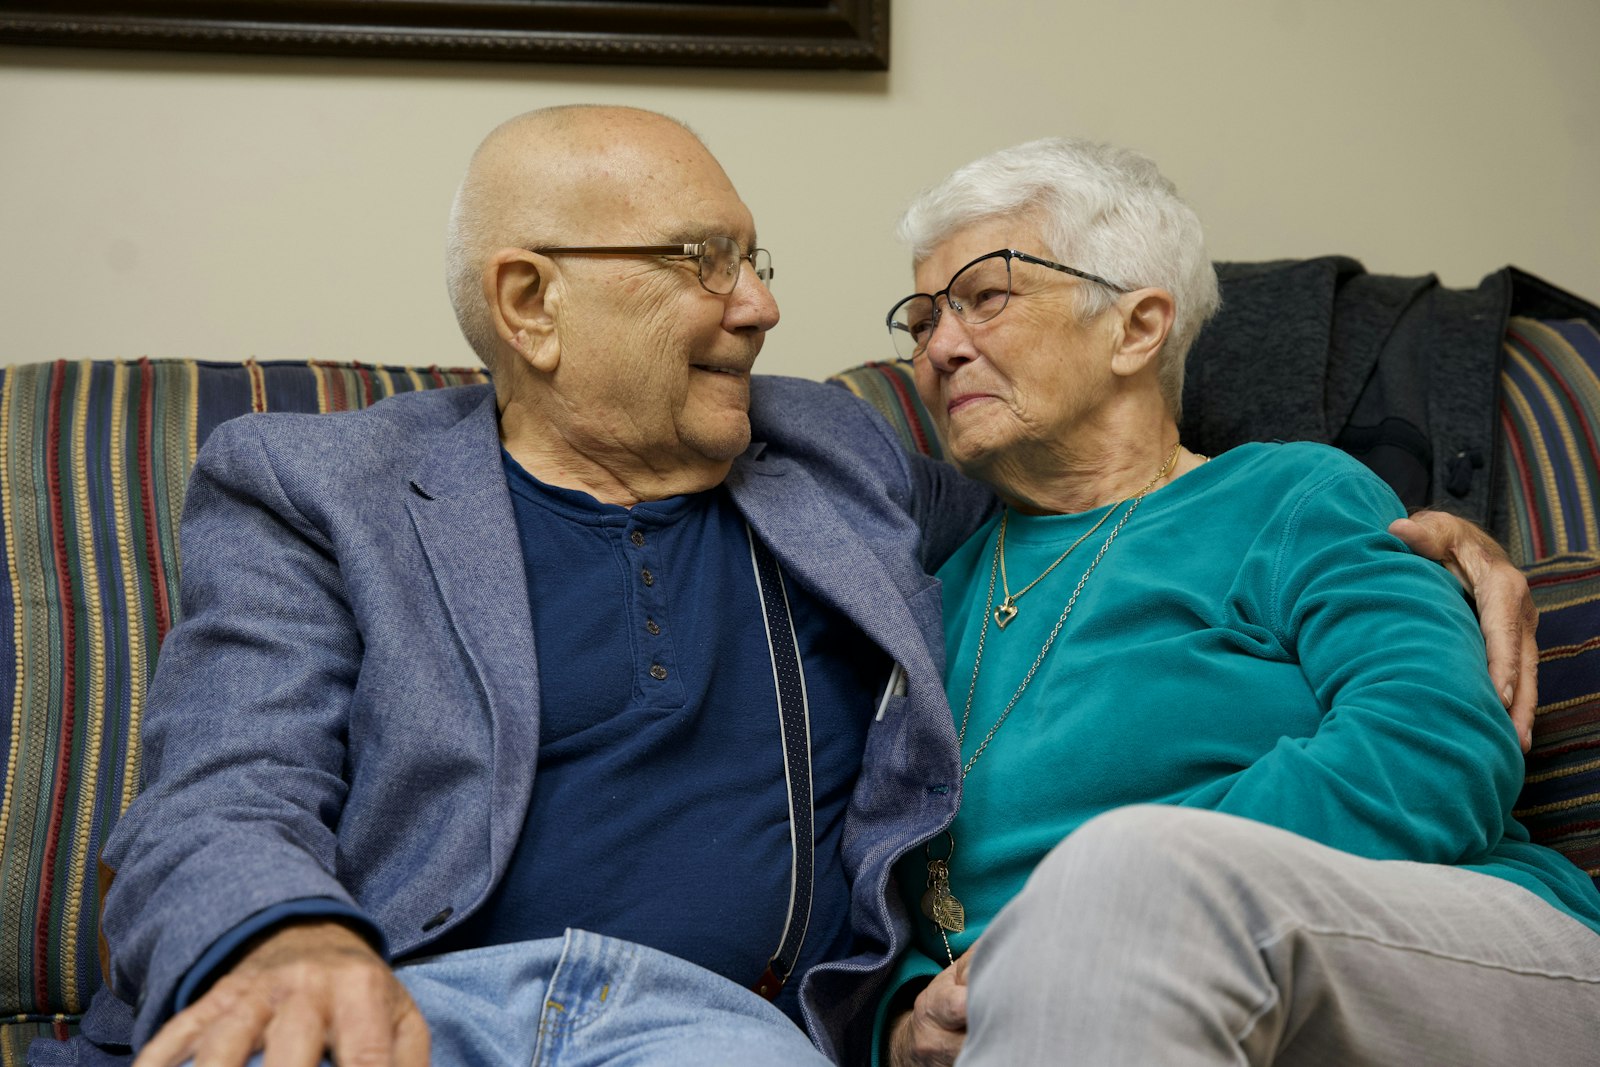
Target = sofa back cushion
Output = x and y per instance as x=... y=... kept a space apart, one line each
x=1560 y=802
x=94 y=458
x=1550 y=439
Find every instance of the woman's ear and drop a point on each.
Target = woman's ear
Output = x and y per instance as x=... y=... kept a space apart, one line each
x=1146 y=321
x=517 y=290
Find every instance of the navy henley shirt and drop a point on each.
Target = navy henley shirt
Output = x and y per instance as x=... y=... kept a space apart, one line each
x=660 y=813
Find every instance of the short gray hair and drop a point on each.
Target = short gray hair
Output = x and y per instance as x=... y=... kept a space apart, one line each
x=466 y=246
x=1102 y=209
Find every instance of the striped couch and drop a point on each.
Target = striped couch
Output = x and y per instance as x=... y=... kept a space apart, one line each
x=93 y=460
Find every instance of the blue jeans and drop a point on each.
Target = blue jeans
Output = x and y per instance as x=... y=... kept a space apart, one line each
x=576 y=1001
x=584 y=1001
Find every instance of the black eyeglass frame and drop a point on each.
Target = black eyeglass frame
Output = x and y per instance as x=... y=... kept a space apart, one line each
x=697 y=251
x=1008 y=254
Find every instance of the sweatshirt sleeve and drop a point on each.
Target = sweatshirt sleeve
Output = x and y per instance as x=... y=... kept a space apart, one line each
x=1415 y=758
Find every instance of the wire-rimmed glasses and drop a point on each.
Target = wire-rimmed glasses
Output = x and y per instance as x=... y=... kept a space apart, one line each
x=976 y=293
x=718 y=257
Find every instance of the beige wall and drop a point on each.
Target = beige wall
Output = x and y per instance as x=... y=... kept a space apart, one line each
x=223 y=207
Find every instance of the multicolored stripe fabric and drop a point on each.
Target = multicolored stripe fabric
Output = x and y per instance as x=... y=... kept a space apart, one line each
x=889 y=388
x=94 y=458
x=1560 y=802
x=1550 y=437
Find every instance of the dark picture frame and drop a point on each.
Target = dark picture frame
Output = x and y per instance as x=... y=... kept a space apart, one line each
x=837 y=34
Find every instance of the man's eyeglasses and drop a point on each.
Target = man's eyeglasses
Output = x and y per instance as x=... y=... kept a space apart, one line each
x=718 y=258
x=976 y=293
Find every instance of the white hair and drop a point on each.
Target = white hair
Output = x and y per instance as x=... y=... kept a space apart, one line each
x=1101 y=209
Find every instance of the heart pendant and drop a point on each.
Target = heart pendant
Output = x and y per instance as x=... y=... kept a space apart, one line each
x=1004 y=614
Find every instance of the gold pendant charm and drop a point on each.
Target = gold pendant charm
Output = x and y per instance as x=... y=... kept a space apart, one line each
x=949 y=914
x=939 y=904
x=1005 y=613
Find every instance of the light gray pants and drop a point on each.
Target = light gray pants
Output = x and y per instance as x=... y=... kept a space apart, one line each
x=1172 y=937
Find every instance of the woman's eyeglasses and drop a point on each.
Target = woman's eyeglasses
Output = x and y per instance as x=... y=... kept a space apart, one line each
x=976 y=293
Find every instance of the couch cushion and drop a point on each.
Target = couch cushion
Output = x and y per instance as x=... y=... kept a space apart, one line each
x=93 y=462
x=17 y=1034
x=1560 y=802
x=1550 y=437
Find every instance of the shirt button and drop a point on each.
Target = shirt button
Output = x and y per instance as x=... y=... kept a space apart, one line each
x=647 y=577
x=650 y=624
x=658 y=672
x=637 y=538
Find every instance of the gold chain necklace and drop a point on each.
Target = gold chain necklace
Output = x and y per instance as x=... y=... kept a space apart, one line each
x=1008 y=605
x=938 y=902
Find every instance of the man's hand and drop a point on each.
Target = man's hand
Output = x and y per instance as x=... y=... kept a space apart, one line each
x=303 y=991
x=932 y=1032
x=1505 y=606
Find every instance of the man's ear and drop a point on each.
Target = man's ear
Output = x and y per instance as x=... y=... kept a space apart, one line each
x=516 y=288
x=1146 y=319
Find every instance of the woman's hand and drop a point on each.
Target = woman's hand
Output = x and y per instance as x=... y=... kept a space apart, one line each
x=932 y=1032
x=1506 y=611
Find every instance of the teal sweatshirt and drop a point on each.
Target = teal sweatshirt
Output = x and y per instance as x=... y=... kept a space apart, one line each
x=1253 y=642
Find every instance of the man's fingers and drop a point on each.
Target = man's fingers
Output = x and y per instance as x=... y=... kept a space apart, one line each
x=1510 y=625
x=1422 y=537
x=411 y=1041
x=1512 y=649
x=1506 y=612
x=178 y=1040
x=230 y=1036
x=365 y=1016
x=1527 y=696
x=171 y=1044
x=1502 y=642
x=303 y=992
x=297 y=1035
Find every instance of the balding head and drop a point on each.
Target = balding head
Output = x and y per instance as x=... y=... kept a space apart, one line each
x=620 y=374
x=572 y=175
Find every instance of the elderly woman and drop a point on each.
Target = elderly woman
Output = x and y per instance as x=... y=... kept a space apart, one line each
x=1236 y=785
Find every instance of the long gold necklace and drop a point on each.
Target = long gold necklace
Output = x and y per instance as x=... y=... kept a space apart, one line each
x=938 y=902
x=1008 y=604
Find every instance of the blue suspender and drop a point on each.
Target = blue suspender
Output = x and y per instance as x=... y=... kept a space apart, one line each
x=794 y=722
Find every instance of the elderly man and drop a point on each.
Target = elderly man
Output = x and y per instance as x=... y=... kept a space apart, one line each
x=595 y=701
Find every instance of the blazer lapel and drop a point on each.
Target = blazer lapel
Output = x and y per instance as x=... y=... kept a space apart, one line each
x=794 y=517
x=461 y=509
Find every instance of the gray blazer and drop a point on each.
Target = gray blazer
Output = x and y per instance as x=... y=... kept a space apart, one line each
x=350 y=707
